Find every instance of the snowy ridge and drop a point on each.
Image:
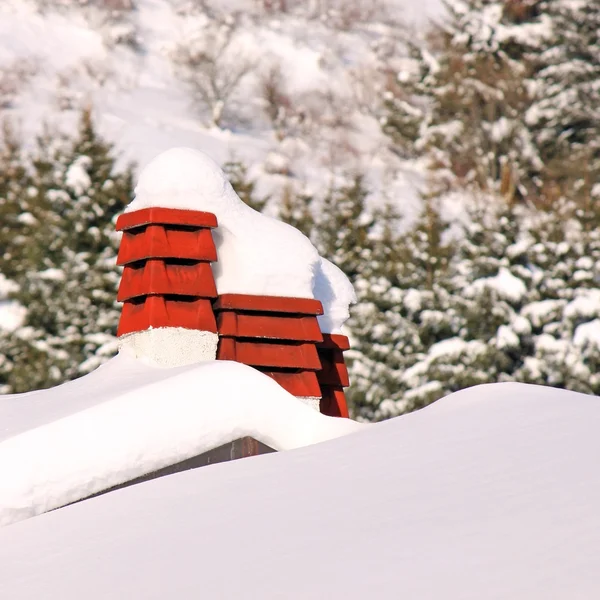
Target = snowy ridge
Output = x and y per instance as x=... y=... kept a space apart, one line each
x=492 y=493
x=179 y=414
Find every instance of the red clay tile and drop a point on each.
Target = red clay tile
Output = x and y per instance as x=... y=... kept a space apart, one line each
x=267 y=354
x=333 y=371
x=334 y=340
x=158 y=311
x=278 y=327
x=333 y=402
x=157 y=277
x=275 y=304
x=165 y=216
x=155 y=241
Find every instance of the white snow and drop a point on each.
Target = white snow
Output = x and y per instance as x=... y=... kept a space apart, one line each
x=454 y=347
x=506 y=337
x=256 y=253
x=586 y=304
x=504 y=283
x=7 y=286
x=128 y=419
x=334 y=290
x=543 y=311
x=587 y=334
x=491 y=493
x=12 y=314
x=413 y=300
x=77 y=177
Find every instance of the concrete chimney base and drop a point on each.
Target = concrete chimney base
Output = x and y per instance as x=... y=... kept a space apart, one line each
x=172 y=346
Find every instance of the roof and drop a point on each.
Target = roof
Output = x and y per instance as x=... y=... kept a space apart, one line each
x=491 y=493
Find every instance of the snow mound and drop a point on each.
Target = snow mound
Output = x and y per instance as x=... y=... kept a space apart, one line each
x=187 y=179
x=257 y=254
x=336 y=293
x=163 y=416
x=492 y=493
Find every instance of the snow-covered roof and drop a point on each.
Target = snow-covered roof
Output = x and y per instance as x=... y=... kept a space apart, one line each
x=130 y=417
x=492 y=492
x=127 y=419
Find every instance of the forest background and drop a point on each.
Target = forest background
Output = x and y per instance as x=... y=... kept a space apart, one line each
x=450 y=168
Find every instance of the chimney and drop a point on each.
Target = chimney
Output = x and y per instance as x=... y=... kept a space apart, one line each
x=277 y=336
x=167 y=285
x=333 y=376
x=173 y=315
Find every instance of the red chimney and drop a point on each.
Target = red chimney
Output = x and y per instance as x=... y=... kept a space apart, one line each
x=167 y=282
x=172 y=312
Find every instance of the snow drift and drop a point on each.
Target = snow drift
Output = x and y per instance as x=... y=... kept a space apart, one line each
x=490 y=493
x=64 y=444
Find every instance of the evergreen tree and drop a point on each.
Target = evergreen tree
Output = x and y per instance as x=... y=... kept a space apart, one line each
x=467 y=315
x=70 y=294
x=521 y=303
x=19 y=207
x=565 y=258
x=343 y=228
x=565 y=118
x=381 y=337
x=296 y=210
x=237 y=173
x=402 y=311
x=18 y=204
x=463 y=103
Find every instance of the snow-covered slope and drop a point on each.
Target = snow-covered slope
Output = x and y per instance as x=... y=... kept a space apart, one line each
x=128 y=419
x=491 y=493
x=326 y=60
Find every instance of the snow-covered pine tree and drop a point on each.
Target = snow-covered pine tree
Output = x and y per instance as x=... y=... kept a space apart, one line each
x=403 y=310
x=70 y=294
x=296 y=210
x=343 y=228
x=565 y=117
x=244 y=186
x=564 y=256
x=15 y=236
x=382 y=338
x=521 y=289
x=462 y=100
x=482 y=337
x=490 y=281
x=19 y=205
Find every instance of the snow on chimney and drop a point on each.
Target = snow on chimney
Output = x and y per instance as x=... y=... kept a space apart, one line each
x=184 y=304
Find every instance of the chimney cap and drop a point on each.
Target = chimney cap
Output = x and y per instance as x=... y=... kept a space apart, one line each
x=165 y=216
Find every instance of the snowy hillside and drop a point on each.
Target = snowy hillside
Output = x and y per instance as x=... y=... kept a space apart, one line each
x=489 y=493
x=324 y=62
